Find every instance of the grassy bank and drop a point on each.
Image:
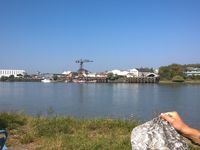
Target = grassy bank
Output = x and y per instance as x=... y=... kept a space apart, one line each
x=46 y=133
x=66 y=133
x=186 y=81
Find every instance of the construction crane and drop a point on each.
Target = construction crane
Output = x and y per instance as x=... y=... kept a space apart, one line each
x=81 y=61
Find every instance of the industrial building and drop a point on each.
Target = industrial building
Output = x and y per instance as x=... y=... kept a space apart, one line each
x=9 y=72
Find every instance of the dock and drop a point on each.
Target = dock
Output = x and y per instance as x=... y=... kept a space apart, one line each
x=126 y=80
x=143 y=80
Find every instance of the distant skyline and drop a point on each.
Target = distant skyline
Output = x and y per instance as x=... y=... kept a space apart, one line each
x=49 y=35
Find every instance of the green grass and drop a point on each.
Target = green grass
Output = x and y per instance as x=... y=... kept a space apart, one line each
x=52 y=133
x=185 y=82
x=66 y=133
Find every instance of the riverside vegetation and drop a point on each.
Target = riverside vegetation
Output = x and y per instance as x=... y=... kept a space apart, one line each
x=175 y=73
x=53 y=132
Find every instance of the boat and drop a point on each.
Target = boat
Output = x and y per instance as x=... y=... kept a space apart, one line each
x=78 y=81
x=83 y=81
x=92 y=81
x=46 y=80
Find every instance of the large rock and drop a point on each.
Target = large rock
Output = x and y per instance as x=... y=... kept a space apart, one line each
x=157 y=134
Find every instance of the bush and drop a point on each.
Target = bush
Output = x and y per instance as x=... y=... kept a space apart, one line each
x=4 y=78
x=178 y=79
x=11 y=120
x=27 y=138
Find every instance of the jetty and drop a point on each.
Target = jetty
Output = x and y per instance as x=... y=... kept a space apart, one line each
x=125 y=80
x=143 y=80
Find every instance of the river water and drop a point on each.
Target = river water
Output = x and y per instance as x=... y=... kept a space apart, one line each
x=143 y=101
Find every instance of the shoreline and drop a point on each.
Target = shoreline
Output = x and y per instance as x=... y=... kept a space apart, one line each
x=185 y=82
x=160 y=82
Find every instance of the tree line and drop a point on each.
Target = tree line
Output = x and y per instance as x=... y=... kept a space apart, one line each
x=19 y=77
x=177 y=72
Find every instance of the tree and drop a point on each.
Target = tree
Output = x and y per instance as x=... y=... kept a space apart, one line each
x=55 y=77
x=110 y=76
x=4 y=78
x=168 y=72
x=176 y=69
x=164 y=73
x=19 y=75
x=27 y=76
x=11 y=78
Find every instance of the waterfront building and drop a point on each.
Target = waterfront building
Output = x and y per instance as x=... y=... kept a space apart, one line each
x=67 y=72
x=118 y=72
x=91 y=75
x=151 y=74
x=134 y=72
x=130 y=73
x=156 y=71
x=9 y=72
x=147 y=74
x=101 y=75
x=193 y=72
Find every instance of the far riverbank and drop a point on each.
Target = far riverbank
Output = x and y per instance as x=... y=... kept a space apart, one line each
x=187 y=82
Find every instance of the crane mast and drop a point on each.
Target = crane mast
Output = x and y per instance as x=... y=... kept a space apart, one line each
x=81 y=62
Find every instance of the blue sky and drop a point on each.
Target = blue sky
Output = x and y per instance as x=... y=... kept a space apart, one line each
x=50 y=35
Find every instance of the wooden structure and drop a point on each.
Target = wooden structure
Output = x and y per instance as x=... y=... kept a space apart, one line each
x=143 y=80
x=127 y=80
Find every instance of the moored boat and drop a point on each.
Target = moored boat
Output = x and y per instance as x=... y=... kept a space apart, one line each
x=46 y=80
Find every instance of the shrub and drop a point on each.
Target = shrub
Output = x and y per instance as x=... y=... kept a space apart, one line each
x=3 y=78
x=27 y=138
x=178 y=79
x=12 y=120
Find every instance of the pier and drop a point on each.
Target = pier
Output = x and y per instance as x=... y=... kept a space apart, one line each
x=143 y=80
x=126 y=80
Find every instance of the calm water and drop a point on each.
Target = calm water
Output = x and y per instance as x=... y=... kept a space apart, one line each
x=103 y=100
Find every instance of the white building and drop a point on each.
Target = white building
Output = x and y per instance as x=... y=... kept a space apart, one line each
x=130 y=73
x=193 y=72
x=66 y=72
x=134 y=72
x=91 y=75
x=101 y=75
x=156 y=71
x=151 y=74
x=119 y=72
x=7 y=72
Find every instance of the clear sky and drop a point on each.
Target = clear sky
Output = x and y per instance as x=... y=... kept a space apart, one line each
x=49 y=35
